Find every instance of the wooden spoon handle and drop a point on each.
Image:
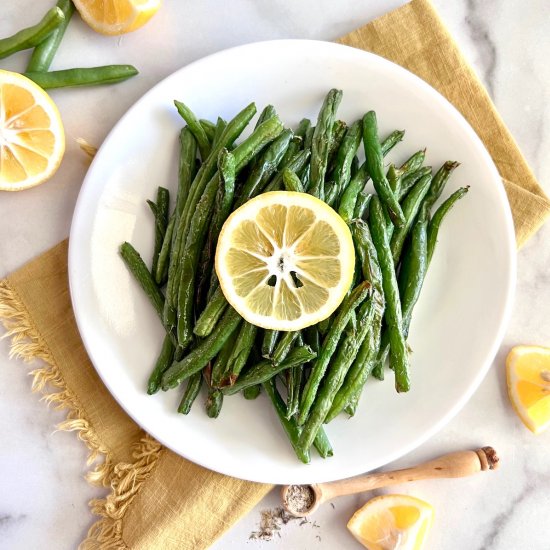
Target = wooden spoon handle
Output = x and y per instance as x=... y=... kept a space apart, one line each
x=460 y=464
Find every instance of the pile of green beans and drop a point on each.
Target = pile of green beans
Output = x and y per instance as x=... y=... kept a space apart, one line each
x=45 y=37
x=313 y=375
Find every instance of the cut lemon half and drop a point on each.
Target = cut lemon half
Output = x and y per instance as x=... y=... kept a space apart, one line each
x=116 y=16
x=285 y=260
x=528 y=378
x=32 y=140
x=392 y=522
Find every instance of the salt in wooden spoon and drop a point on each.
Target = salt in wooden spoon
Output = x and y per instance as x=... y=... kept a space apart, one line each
x=303 y=500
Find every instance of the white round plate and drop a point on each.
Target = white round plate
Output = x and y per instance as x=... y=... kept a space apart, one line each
x=459 y=320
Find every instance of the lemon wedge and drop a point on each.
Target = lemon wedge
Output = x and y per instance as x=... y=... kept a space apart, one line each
x=32 y=139
x=116 y=16
x=285 y=260
x=528 y=378
x=392 y=522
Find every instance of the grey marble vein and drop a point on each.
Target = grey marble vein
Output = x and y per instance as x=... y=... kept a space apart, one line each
x=479 y=30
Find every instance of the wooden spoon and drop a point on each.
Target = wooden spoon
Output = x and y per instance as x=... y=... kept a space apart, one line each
x=459 y=464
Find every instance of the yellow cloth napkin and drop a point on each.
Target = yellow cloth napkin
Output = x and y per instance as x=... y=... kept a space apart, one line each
x=157 y=499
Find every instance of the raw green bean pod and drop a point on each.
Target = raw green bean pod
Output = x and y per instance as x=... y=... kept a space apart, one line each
x=32 y=36
x=87 y=76
x=43 y=53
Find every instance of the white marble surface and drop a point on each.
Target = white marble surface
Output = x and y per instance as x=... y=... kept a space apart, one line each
x=43 y=494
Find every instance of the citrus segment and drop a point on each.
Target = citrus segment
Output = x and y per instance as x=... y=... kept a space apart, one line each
x=392 y=522
x=528 y=379
x=32 y=140
x=285 y=260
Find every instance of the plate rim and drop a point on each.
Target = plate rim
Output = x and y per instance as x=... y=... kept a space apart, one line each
x=485 y=365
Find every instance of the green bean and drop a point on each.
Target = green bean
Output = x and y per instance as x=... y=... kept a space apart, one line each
x=438 y=217
x=351 y=406
x=331 y=194
x=308 y=138
x=192 y=390
x=265 y=167
x=391 y=141
x=195 y=126
x=243 y=153
x=292 y=182
x=322 y=444
x=362 y=205
x=408 y=181
x=239 y=355
x=212 y=312
x=252 y=392
x=161 y=222
x=414 y=162
x=411 y=206
x=139 y=270
x=413 y=268
x=88 y=76
x=292 y=150
x=293 y=385
x=267 y=112
x=232 y=131
x=352 y=203
x=268 y=343
x=186 y=172
x=284 y=346
x=221 y=125
x=296 y=165
x=43 y=53
x=209 y=129
x=328 y=348
x=375 y=168
x=220 y=364
x=334 y=378
x=321 y=141
x=311 y=337
x=305 y=176
x=368 y=350
x=161 y=267
x=32 y=36
x=339 y=130
x=345 y=155
x=186 y=168
x=303 y=128
x=222 y=208
x=351 y=192
x=399 y=354
x=265 y=369
x=214 y=403
x=164 y=360
x=289 y=425
x=438 y=183
x=205 y=351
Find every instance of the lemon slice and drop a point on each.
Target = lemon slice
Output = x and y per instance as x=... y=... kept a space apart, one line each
x=116 y=16
x=32 y=140
x=392 y=522
x=285 y=260
x=528 y=378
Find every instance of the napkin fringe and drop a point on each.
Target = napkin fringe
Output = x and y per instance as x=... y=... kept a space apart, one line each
x=124 y=479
